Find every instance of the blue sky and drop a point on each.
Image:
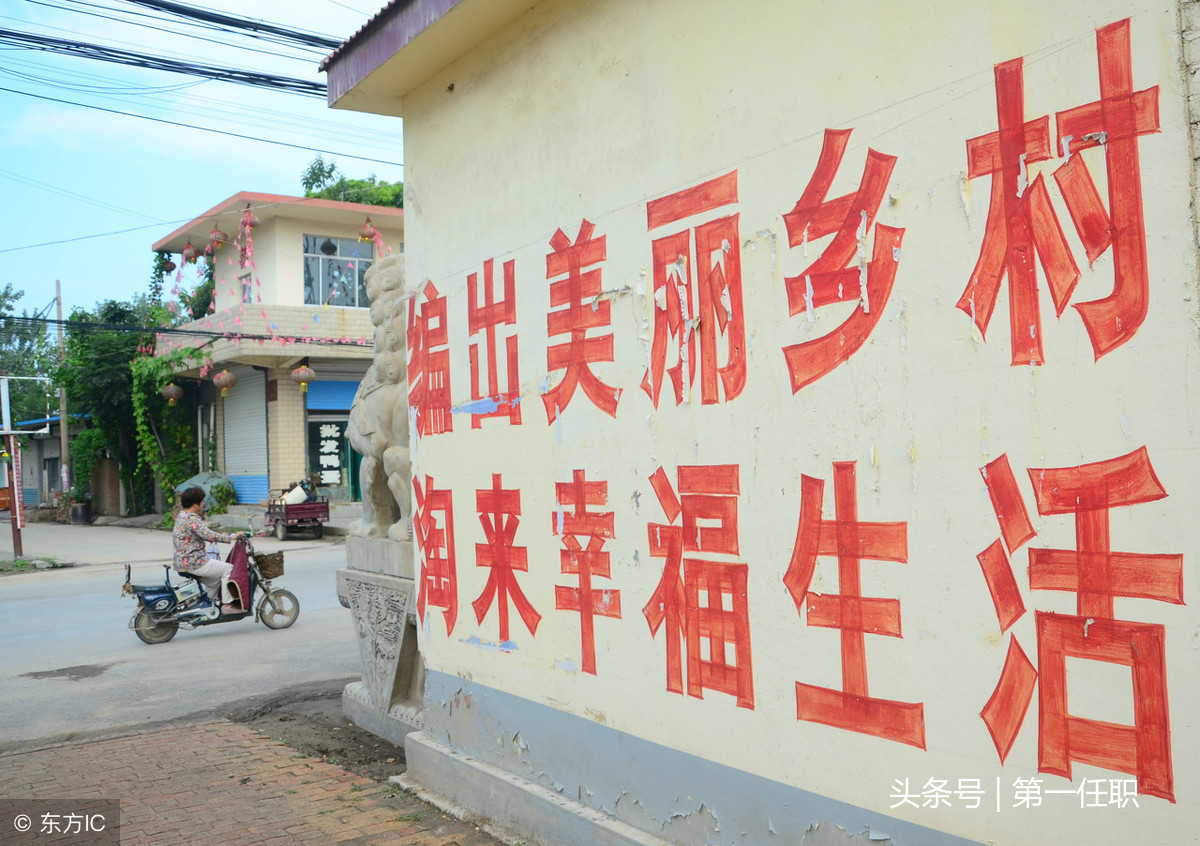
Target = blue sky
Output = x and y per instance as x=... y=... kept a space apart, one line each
x=105 y=187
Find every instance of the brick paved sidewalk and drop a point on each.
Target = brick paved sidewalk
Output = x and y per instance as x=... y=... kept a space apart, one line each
x=223 y=783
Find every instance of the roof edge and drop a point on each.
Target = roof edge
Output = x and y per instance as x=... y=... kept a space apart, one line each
x=257 y=201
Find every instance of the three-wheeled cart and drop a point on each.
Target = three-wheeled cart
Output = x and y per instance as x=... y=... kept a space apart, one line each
x=284 y=517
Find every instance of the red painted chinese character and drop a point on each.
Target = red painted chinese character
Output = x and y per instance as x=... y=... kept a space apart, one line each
x=830 y=279
x=577 y=318
x=486 y=318
x=854 y=615
x=429 y=363
x=434 y=527
x=1115 y=120
x=703 y=601
x=573 y=521
x=706 y=307
x=1021 y=220
x=500 y=512
x=1096 y=575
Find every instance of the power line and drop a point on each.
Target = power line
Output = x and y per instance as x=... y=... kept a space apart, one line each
x=129 y=17
x=54 y=189
x=102 y=53
x=209 y=110
x=87 y=237
x=169 y=31
x=202 y=128
x=181 y=10
x=101 y=89
x=191 y=35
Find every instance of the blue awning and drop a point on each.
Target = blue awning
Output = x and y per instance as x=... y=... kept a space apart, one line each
x=328 y=395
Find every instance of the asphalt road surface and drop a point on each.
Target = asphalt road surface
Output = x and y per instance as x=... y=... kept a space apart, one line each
x=70 y=665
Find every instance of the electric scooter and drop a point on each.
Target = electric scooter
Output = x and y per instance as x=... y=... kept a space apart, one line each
x=164 y=608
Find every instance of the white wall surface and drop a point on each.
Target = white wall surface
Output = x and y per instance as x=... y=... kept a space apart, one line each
x=592 y=110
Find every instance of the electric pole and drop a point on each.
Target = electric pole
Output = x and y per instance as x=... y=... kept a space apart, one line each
x=63 y=425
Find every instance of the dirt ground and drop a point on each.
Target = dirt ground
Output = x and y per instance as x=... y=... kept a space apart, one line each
x=309 y=719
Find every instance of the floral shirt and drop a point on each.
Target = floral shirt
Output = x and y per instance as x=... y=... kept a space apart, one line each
x=190 y=535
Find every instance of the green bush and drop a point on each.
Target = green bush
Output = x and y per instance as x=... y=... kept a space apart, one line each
x=223 y=497
x=87 y=450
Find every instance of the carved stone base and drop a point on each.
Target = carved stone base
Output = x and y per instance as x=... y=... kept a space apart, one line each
x=393 y=726
x=379 y=589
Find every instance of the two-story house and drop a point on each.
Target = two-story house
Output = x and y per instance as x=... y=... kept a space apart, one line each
x=289 y=293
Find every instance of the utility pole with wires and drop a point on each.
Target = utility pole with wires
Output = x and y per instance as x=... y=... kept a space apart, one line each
x=63 y=425
x=12 y=470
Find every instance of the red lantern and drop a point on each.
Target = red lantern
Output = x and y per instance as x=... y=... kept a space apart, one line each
x=367 y=231
x=303 y=375
x=225 y=380
x=249 y=218
x=218 y=238
x=190 y=253
x=171 y=393
x=168 y=266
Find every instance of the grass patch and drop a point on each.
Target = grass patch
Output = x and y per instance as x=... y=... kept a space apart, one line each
x=29 y=565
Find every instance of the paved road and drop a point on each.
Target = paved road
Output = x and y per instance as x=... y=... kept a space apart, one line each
x=69 y=663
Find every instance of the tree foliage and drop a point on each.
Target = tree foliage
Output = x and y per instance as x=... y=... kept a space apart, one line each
x=87 y=449
x=166 y=438
x=97 y=373
x=323 y=179
x=25 y=350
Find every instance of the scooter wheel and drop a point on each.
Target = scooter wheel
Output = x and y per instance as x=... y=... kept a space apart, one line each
x=150 y=631
x=278 y=608
x=281 y=530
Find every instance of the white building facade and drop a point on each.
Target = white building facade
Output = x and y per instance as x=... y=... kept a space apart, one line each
x=289 y=292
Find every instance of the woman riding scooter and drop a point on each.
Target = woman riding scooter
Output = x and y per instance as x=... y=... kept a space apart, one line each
x=191 y=536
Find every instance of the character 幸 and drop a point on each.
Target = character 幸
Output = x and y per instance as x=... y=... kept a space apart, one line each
x=574 y=521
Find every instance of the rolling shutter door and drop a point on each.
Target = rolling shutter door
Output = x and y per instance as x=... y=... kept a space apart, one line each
x=245 y=418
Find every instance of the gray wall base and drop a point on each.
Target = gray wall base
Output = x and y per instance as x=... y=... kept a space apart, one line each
x=517 y=809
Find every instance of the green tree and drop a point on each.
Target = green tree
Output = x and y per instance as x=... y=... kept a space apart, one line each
x=166 y=438
x=97 y=373
x=323 y=179
x=317 y=175
x=24 y=351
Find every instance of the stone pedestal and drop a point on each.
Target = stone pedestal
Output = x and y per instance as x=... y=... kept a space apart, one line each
x=379 y=588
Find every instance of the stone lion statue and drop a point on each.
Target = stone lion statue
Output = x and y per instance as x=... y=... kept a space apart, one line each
x=378 y=425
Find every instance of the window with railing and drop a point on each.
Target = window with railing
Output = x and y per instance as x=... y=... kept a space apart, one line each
x=334 y=269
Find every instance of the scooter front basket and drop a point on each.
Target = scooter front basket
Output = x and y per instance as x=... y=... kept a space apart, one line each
x=270 y=564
